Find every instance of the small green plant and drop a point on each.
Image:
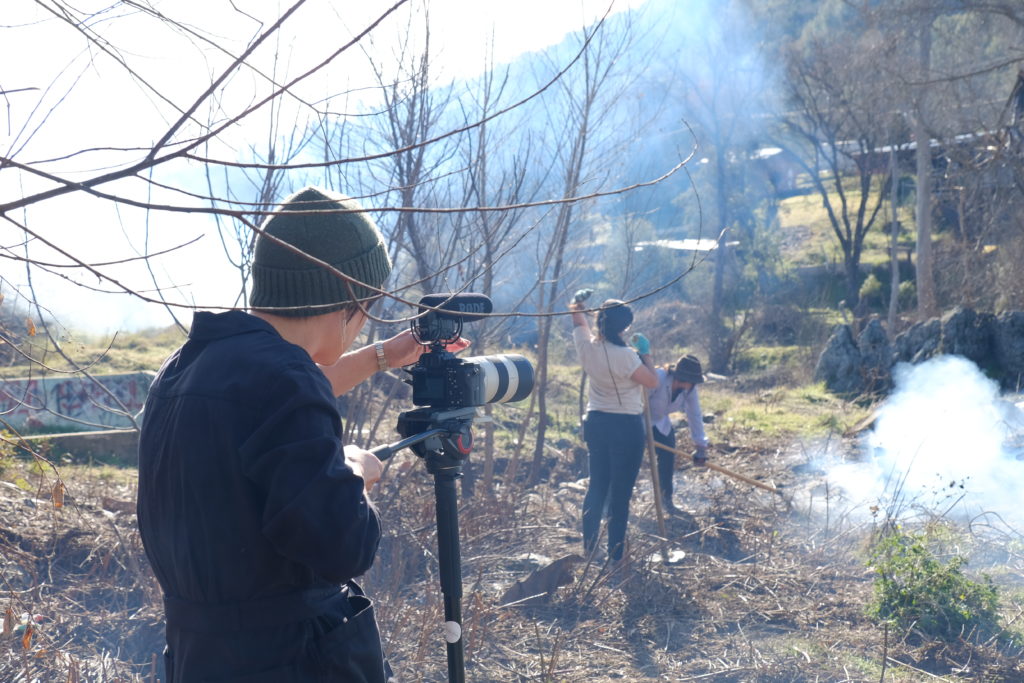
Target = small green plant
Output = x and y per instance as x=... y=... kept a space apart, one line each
x=7 y=450
x=871 y=289
x=907 y=295
x=913 y=588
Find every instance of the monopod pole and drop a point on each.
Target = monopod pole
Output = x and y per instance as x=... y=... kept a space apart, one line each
x=451 y=571
x=446 y=470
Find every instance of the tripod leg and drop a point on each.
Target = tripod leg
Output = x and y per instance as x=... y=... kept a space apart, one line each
x=451 y=570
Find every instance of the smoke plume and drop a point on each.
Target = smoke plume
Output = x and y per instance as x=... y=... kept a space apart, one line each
x=945 y=443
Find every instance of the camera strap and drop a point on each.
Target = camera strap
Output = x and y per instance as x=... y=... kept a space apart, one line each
x=608 y=362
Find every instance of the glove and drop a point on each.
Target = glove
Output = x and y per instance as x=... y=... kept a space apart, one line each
x=581 y=295
x=700 y=456
x=640 y=343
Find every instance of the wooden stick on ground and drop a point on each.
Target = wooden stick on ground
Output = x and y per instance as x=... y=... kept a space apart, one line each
x=652 y=461
x=728 y=473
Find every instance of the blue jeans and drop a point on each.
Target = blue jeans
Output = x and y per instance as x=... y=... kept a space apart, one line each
x=616 y=445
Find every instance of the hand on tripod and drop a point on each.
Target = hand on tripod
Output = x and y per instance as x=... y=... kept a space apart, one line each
x=365 y=464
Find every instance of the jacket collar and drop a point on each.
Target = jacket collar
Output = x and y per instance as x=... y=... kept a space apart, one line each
x=207 y=326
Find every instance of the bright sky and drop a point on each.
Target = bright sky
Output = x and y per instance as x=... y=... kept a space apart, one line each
x=76 y=98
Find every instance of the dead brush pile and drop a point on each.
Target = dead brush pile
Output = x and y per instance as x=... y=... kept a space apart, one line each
x=80 y=603
x=754 y=589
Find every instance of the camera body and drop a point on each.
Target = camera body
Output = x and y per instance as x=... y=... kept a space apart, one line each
x=442 y=381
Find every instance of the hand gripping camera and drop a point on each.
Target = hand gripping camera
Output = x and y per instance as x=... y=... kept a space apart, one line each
x=442 y=381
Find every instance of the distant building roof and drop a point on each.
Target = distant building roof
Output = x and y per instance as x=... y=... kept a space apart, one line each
x=689 y=244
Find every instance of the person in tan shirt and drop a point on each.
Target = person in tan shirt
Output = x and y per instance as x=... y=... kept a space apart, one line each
x=613 y=426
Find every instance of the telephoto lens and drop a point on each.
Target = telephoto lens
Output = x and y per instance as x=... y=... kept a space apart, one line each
x=506 y=377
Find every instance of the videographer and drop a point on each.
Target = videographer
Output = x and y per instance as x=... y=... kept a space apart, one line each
x=253 y=515
x=613 y=426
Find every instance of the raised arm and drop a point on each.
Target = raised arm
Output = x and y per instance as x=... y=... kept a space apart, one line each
x=644 y=374
x=398 y=351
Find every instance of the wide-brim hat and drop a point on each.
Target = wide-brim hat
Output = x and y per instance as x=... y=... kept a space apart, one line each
x=687 y=369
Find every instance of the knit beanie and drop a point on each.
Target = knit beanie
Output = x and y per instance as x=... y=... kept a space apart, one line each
x=328 y=227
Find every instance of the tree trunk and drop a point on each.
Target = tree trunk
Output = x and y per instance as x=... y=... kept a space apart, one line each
x=718 y=343
x=542 y=405
x=894 y=257
x=927 y=307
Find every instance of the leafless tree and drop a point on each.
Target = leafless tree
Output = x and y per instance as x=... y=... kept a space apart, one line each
x=413 y=111
x=586 y=102
x=945 y=62
x=836 y=124
x=454 y=210
x=492 y=179
x=723 y=99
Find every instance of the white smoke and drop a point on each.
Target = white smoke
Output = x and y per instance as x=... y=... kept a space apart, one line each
x=945 y=443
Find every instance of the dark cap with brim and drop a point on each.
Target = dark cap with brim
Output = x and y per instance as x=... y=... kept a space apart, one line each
x=688 y=369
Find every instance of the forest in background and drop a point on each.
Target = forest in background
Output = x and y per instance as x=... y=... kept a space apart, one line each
x=780 y=136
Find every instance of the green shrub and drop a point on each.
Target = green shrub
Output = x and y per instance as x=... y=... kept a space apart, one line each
x=914 y=589
x=908 y=295
x=871 y=289
x=7 y=451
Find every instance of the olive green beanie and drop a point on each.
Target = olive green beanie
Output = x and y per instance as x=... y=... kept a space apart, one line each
x=328 y=227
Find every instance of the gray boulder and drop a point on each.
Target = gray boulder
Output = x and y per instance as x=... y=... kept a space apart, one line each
x=919 y=343
x=968 y=334
x=839 y=364
x=875 y=358
x=1008 y=349
x=993 y=343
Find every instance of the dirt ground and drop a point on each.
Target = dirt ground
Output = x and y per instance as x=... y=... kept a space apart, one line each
x=756 y=586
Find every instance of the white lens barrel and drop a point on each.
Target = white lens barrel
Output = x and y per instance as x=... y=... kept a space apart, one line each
x=507 y=377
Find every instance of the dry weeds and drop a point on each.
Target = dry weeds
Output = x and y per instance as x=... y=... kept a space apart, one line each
x=758 y=591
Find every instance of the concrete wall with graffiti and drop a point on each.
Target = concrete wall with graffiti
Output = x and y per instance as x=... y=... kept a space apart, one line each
x=72 y=403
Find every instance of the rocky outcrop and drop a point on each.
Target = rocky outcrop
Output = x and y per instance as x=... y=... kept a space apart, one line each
x=919 y=343
x=968 y=334
x=1008 y=348
x=839 y=363
x=993 y=343
x=876 y=358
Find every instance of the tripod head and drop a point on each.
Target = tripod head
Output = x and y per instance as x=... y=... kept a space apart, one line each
x=443 y=438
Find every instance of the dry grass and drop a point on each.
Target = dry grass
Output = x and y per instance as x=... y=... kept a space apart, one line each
x=80 y=568
x=807 y=237
x=109 y=354
x=763 y=591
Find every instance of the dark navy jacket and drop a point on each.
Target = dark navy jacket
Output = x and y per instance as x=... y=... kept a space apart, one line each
x=250 y=516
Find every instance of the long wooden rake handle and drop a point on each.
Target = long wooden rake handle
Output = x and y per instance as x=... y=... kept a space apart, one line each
x=728 y=473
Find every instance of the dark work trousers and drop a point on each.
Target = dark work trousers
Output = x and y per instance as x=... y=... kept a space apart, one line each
x=616 y=445
x=666 y=463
